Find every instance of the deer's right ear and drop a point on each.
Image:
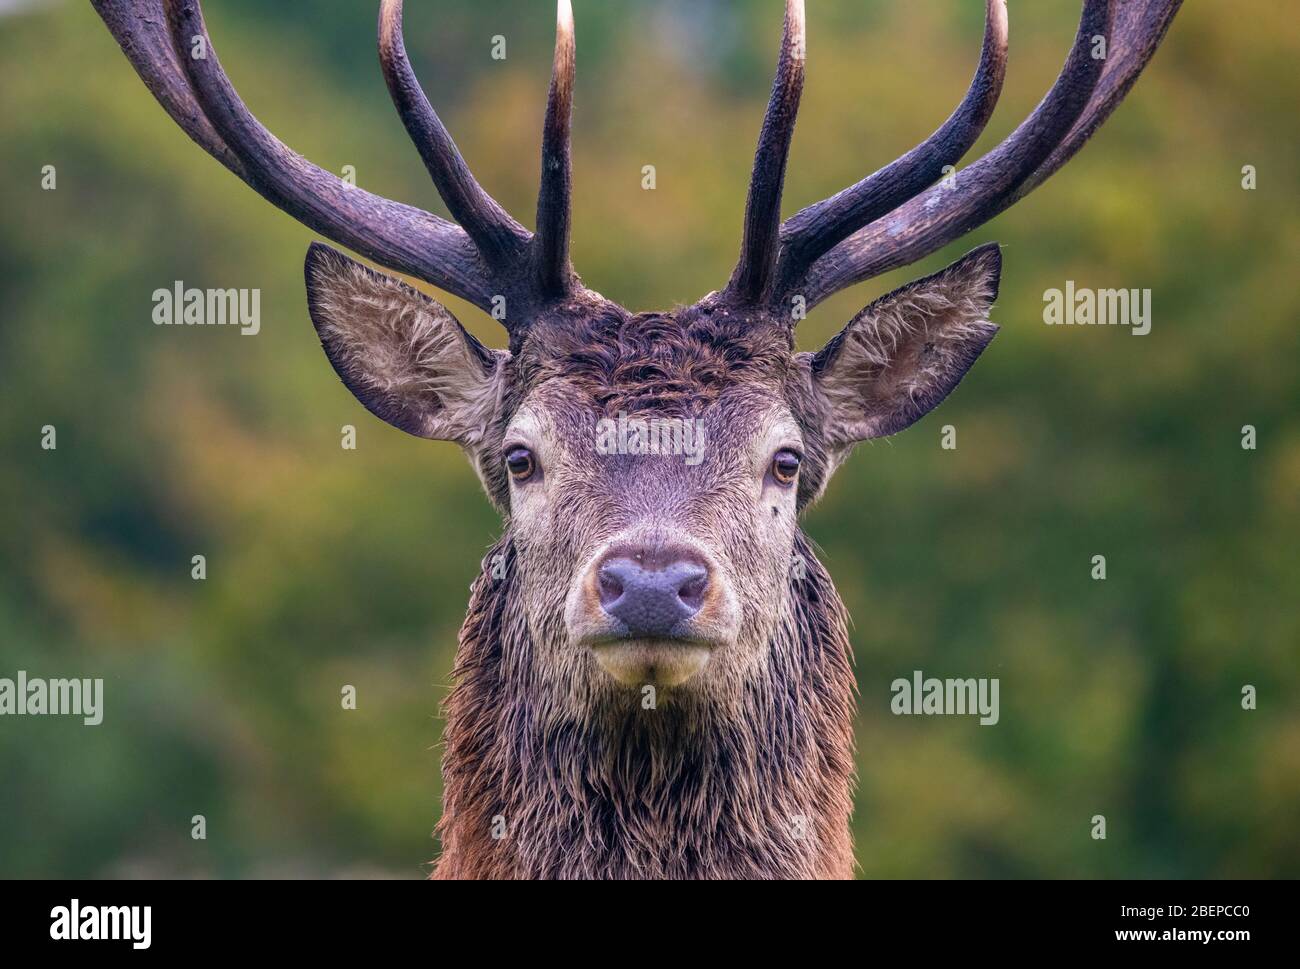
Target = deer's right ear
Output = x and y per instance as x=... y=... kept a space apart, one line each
x=404 y=356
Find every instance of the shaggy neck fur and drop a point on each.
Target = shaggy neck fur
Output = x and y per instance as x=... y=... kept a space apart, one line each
x=681 y=791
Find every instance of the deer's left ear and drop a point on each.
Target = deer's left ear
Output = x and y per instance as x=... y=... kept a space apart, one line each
x=905 y=352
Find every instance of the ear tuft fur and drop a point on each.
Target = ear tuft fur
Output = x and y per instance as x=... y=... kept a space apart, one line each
x=403 y=355
x=902 y=355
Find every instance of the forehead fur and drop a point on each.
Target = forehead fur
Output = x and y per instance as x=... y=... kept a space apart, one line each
x=680 y=362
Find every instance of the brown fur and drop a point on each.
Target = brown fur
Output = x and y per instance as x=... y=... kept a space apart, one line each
x=683 y=792
x=553 y=768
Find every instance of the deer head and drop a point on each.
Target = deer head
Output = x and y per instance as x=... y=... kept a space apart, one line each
x=632 y=566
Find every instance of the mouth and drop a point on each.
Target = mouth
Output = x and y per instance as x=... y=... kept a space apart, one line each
x=651 y=662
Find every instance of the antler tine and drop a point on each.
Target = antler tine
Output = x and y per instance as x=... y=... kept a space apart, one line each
x=753 y=273
x=553 y=274
x=1084 y=95
x=1137 y=29
x=808 y=234
x=499 y=237
x=142 y=33
x=399 y=236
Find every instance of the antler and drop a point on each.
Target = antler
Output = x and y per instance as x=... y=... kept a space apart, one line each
x=898 y=215
x=168 y=45
x=887 y=220
x=811 y=232
x=498 y=237
x=553 y=274
x=753 y=273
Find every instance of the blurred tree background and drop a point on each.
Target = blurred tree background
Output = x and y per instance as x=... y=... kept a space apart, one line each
x=329 y=567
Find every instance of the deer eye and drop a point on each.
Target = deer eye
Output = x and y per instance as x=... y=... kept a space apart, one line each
x=785 y=466
x=520 y=463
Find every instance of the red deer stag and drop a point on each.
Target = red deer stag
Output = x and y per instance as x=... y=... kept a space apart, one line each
x=653 y=679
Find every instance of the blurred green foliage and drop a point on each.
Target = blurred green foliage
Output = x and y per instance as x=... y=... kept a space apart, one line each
x=328 y=567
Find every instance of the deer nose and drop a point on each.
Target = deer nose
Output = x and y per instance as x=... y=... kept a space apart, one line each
x=652 y=592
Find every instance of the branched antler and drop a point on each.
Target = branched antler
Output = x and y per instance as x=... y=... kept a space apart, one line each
x=811 y=232
x=488 y=254
x=498 y=237
x=899 y=214
x=889 y=219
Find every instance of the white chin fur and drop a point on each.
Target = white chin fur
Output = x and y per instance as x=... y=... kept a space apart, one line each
x=646 y=662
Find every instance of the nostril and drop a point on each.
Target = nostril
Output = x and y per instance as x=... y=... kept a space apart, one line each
x=691 y=591
x=611 y=586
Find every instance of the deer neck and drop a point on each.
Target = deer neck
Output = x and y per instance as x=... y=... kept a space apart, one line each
x=534 y=789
